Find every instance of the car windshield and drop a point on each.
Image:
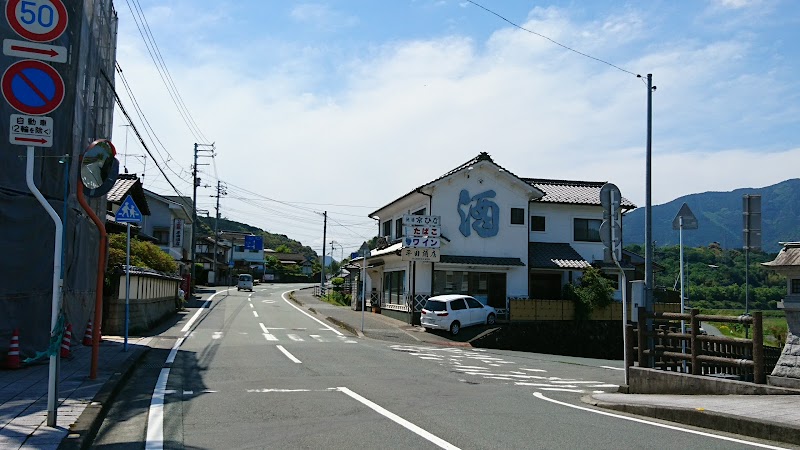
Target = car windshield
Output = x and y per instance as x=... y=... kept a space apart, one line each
x=435 y=305
x=245 y=278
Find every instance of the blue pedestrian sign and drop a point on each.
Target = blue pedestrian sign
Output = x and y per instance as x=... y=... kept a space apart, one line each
x=128 y=212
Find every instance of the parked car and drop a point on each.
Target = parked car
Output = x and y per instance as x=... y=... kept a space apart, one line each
x=454 y=311
x=245 y=282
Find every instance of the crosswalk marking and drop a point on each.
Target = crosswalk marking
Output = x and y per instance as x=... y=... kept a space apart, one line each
x=295 y=338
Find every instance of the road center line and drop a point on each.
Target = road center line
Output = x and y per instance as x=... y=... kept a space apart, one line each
x=327 y=327
x=399 y=420
x=255 y=313
x=264 y=328
x=288 y=355
x=539 y=395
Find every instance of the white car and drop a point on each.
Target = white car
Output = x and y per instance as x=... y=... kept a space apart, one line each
x=454 y=311
x=245 y=282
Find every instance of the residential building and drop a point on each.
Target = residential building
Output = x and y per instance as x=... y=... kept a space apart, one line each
x=205 y=255
x=170 y=224
x=502 y=237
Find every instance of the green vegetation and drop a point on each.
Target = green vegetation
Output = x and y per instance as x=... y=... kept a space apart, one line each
x=143 y=254
x=273 y=241
x=716 y=277
x=774 y=325
x=593 y=291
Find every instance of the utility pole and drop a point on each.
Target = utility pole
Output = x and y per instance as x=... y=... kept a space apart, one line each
x=210 y=148
x=220 y=192
x=324 y=236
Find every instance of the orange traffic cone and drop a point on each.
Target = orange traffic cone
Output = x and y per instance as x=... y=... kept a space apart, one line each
x=87 y=336
x=12 y=360
x=65 y=343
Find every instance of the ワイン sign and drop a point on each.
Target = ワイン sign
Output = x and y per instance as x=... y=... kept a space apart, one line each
x=37 y=20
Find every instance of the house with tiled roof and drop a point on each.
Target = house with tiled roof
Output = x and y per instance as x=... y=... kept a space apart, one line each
x=501 y=237
x=126 y=184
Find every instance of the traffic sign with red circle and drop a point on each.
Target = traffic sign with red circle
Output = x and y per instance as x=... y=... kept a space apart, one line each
x=37 y=20
x=32 y=87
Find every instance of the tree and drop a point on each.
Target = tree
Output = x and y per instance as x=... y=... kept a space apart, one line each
x=592 y=291
x=143 y=254
x=283 y=248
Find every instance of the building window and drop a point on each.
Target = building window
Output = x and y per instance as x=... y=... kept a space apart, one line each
x=517 y=216
x=537 y=223
x=161 y=235
x=587 y=230
x=394 y=286
x=398 y=228
x=795 y=285
x=419 y=212
x=387 y=229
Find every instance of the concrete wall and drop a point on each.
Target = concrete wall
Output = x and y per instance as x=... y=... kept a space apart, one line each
x=652 y=381
x=152 y=299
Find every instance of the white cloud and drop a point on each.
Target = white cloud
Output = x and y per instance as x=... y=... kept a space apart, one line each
x=322 y=17
x=410 y=111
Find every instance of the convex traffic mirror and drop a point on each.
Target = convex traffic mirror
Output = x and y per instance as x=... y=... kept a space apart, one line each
x=99 y=167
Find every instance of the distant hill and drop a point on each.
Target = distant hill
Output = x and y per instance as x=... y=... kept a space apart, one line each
x=719 y=218
x=271 y=240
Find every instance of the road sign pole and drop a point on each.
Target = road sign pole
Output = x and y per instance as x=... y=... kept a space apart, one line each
x=127 y=284
x=52 y=386
x=683 y=295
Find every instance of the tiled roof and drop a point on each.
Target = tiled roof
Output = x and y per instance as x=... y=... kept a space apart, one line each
x=124 y=183
x=789 y=256
x=554 y=255
x=481 y=260
x=482 y=156
x=129 y=184
x=572 y=192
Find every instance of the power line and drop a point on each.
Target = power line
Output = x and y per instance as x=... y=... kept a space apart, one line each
x=551 y=40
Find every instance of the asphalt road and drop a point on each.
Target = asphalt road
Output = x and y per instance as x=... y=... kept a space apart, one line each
x=253 y=370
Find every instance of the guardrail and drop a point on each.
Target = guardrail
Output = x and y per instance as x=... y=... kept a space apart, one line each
x=667 y=348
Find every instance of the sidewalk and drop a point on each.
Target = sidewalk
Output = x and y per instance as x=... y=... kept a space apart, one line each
x=771 y=417
x=23 y=395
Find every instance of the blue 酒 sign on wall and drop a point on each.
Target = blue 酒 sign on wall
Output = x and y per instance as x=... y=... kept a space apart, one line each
x=483 y=215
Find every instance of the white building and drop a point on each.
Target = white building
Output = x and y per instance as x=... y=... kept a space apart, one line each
x=170 y=223
x=502 y=236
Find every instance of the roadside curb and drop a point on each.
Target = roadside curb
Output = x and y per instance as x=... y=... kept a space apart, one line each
x=83 y=431
x=345 y=326
x=712 y=420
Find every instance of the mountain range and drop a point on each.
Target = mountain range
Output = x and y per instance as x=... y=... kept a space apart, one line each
x=720 y=218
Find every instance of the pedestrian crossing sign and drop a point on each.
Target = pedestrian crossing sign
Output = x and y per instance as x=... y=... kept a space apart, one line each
x=128 y=212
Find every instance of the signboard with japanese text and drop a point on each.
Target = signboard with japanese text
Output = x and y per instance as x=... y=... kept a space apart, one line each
x=254 y=243
x=415 y=220
x=177 y=233
x=420 y=254
x=421 y=231
x=34 y=131
x=421 y=242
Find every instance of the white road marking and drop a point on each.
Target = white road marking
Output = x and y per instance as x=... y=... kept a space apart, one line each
x=251 y=305
x=255 y=313
x=539 y=395
x=270 y=337
x=562 y=390
x=399 y=420
x=295 y=337
x=174 y=351
x=525 y=383
x=604 y=386
x=155 y=416
x=188 y=392
x=267 y=301
x=170 y=391
x=278 y=390
x=318 y=338
x=327 y=327
x=288 y=355
x=263 y=328
x=533 y=370
x=612 y=368
x=199 y=311
x=216 y=335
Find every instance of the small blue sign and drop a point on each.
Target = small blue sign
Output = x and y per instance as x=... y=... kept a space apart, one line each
x=230 y=264
x=354 y=255
x=128 y=212
x=254 y=243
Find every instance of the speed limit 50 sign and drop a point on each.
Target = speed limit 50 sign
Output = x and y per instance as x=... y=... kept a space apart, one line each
x=37 y=20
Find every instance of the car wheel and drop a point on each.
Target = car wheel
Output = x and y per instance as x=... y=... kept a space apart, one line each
x=491 y=320
x=238 y=289
x=455 y=327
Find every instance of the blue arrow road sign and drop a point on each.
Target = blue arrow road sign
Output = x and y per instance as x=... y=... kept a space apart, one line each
x=128 y=212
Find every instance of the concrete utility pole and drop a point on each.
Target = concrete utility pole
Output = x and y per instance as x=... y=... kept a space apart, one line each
x=220 y=192
x=196 y=183
x=324 y=236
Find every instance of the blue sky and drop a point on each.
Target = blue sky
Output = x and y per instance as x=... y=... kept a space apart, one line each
x=346 y=105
